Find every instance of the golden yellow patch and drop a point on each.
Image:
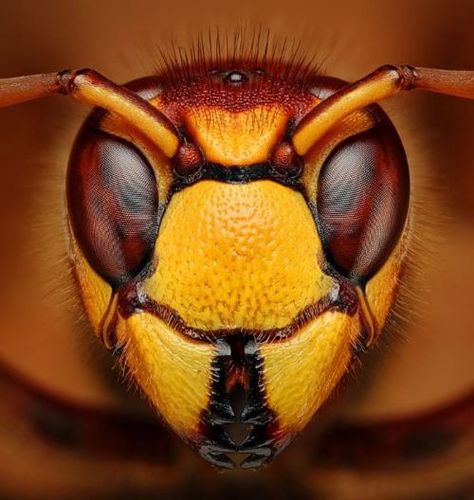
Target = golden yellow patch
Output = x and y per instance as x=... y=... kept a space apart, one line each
x=238 y=256
x=173 y=371
x=380 y=288
x=301 y=371
x=231 y=138
x=95 y=292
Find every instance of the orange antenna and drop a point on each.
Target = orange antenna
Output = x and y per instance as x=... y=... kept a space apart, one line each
x=90 y=87
x=384 y=82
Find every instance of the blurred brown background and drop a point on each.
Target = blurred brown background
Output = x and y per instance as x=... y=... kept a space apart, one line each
x=41 y=337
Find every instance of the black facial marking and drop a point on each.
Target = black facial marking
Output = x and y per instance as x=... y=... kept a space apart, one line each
x=258 y=444
x=218 y=444
x=237 y=365
x=238 y=175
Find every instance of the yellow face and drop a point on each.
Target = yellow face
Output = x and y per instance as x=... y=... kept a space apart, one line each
x=259 y=271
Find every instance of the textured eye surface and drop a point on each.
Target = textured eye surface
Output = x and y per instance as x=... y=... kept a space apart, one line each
x=112 y=203
x=362 y=200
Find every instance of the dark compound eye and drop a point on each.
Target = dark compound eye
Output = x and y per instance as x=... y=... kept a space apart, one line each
x=112 y=202
x=362 y=201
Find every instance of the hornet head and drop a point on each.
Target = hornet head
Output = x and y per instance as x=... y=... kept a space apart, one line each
x=238 y=271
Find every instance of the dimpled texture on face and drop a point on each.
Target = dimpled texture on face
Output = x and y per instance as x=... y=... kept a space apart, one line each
x=237 y=256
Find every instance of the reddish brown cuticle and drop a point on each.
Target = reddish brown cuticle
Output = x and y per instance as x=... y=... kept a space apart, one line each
x=285 y=160
x=188 y=159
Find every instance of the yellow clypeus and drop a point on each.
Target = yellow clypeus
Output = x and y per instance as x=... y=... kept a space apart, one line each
x=237 y=256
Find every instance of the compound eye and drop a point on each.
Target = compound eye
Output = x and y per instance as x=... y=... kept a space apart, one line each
x=112 y=202
x=362 y=201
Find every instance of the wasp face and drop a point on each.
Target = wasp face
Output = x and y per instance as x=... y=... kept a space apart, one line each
x=238 y=266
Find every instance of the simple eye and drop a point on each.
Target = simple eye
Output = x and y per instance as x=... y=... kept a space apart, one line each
x=362 y=200
x=112 y=202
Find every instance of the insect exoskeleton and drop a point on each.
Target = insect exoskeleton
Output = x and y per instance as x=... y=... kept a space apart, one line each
x=237 y=264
